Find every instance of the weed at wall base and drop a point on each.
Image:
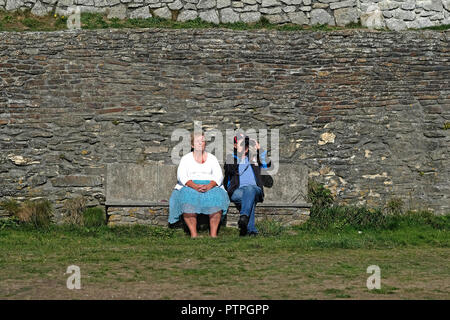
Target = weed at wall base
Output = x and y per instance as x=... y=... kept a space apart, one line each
x=73 y=209
x=11 y=206
x=94 y=217
x=37 y=213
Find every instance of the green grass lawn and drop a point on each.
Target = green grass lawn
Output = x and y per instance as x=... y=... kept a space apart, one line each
x=143 y=262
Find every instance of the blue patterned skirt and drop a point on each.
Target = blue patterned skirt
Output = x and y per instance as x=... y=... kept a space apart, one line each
x=188 y=200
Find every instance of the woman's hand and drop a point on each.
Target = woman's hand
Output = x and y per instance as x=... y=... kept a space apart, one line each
x=201 y=187
x=257 y=146
x=209 y=186
x=197 y=187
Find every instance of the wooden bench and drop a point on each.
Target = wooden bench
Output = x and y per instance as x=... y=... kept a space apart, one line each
x=139 y=194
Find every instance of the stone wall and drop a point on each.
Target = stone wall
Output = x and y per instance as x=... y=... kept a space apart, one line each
x=365 y=111
x=394 y=15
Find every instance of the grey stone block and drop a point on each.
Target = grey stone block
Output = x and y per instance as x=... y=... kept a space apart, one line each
x=388 y=5
x=270 y=3
x=177 y=5
x=273 y=10
x=227 y=15
x=446 y=4
x=289 y=9
x=141 y=13
x=372 y=18
x=163 y=12
x=321 y=16
x=12 y=5
x=403 y=14
x=186 y=15
x=250 y=17
x=396 y=24
x=298 y=18
x=119 y=11
x=430 y=5
x=210 y=16
x=417 y=23
x=206 y=4
x=277 y=18
x=410 y=5
x=223 y=3
x=40 y=10
x=343 y=4
x=344 y=16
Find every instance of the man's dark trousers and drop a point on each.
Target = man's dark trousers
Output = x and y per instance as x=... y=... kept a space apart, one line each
x=245 y=198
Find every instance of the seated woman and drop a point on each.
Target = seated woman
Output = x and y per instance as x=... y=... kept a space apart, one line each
x=199 y=189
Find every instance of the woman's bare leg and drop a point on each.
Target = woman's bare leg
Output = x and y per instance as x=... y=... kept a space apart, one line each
x=214 y=220
x=191 y=221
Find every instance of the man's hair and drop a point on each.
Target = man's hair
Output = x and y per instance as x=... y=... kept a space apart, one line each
x=247 y=141
x=240 y=135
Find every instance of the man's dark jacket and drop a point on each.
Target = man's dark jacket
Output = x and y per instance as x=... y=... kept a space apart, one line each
x=231 y=178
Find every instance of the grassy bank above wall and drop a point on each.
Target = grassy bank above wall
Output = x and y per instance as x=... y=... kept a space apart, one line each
x=25 y=21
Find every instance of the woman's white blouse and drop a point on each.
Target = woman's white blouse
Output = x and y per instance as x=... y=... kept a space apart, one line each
x=189 y=169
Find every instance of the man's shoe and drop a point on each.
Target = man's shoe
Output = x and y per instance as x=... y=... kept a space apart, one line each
x=243 y=222
x=253 y=234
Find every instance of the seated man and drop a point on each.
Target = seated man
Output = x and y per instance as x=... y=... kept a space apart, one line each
x=243 y=181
